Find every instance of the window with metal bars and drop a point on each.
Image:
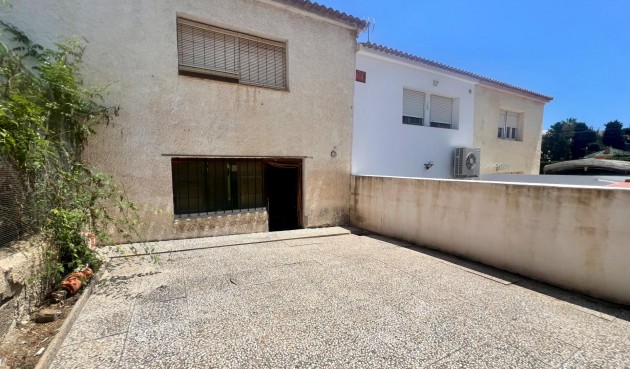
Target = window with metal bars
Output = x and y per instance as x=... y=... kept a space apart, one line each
x=212 y=51
x=203 y=186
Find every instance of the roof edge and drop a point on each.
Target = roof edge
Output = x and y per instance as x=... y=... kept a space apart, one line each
x=482 y=80
x=322 y=11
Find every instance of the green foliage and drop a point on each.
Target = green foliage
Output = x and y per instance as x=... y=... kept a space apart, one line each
x=583 y=138
x=556 y=143
x=614 y=135
x=567 y=140
x=46 y=117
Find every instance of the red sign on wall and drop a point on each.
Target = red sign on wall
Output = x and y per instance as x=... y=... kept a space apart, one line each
x=361 y=76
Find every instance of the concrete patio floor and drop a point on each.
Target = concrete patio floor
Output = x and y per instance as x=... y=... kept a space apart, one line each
x=276 y=300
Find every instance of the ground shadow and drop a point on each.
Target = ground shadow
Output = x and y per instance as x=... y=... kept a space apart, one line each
x=571 y=297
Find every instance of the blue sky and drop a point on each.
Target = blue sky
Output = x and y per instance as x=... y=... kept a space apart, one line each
x=576 y=51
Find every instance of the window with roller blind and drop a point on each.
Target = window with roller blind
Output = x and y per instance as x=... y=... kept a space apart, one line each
x=413 y=107
x=227 y=55
x=441 y=112
x=508 y=126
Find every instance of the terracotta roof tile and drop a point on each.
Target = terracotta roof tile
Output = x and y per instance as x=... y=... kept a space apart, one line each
x=327 y=12
x=482 y=79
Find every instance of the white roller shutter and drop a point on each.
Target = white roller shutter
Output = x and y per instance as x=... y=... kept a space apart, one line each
x=502 y=117
x=413 y=103
x=441 y=109
x=511 y=125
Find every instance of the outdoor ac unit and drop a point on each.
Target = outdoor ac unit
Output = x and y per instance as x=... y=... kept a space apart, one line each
x=467 y=162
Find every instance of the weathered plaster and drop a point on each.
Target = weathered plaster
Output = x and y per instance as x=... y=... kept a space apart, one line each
x=222 y=224
x=21 y=288
x=507 y=156
x=132 y=44
x=573 y=237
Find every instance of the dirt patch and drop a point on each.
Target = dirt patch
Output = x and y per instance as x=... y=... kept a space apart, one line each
x=20 y=346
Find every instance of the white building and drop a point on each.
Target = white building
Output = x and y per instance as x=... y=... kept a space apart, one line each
x=411 y=113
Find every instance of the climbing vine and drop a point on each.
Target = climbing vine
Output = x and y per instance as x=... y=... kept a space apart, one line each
x=47 y=114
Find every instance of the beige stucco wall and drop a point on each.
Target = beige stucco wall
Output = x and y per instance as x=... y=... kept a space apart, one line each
x=507 y=156
x=133 y=46
x=573 y=237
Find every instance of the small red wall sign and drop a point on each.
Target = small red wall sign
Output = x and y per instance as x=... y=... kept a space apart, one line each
x=361 y=76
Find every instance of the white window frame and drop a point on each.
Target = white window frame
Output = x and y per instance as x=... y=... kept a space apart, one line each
x=425 y=117
x=408 y=111
x=439 y=123
x=507 y=129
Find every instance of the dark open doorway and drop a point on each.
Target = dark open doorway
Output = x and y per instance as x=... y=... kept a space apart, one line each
x=283 y=181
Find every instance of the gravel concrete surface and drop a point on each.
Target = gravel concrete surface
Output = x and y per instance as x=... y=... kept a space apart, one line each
x=344 y=301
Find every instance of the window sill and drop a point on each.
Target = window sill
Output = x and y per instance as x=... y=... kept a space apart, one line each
x=432 y=127
x=229 y=79
x=443 y=126
x=218 y=213
x=509 y=140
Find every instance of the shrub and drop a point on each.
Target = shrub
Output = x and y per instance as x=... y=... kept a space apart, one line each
x=46 y=116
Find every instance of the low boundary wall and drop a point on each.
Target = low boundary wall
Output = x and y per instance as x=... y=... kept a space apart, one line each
x=573 y=237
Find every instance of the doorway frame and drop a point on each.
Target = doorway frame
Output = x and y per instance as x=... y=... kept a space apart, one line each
x=299 y=164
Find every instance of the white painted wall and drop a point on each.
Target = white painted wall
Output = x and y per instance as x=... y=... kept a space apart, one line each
x=573 y=237
x=382 y=145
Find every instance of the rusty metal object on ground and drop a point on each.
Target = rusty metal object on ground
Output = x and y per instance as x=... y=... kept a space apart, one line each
x=75 y=281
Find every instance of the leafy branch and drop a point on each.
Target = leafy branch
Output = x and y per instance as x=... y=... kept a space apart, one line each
x=47 y=114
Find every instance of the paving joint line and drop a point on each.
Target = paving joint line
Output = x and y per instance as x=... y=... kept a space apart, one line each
x=95 y=339
x=148 y=301
x=227 y=245
x=122 y=349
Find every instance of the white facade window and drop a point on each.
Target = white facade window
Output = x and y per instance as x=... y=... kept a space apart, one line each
x=441 y=112
x=508 y=126
x=413 y=107
x=215 y=52
x=441 y=109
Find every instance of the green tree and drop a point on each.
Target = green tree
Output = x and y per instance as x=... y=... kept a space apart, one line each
x=567 y=140
x=613 y=135
x=594 y=147
x=556 y=143
x=583 y=138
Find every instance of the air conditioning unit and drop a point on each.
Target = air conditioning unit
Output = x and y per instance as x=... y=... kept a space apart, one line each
x=467 y=162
